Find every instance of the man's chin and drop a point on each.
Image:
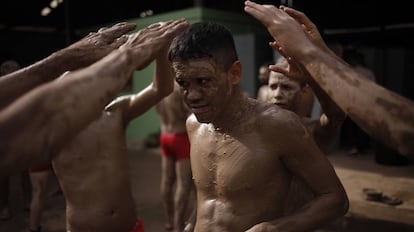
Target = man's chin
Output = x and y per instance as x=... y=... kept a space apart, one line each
x=202 y=118
x=283 y=106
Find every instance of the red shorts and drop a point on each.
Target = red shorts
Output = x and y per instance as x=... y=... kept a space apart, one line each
x=40 y=168
x=139 y=226
x=176 y=146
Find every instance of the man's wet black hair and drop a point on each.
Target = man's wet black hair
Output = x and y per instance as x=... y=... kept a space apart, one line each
x=205 y=40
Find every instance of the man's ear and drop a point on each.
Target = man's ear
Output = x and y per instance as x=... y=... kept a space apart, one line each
x=235 y=72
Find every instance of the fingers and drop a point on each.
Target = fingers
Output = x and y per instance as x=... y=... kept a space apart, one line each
x=158 y=24
x=254 y=10
x=177 y=26
x=168 y=29
x=119 y=41
x=300 y=17
x=117 y=30
x=261 y=12
x=276 y=68
x=276 y=47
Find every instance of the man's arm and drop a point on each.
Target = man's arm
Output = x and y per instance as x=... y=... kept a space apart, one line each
x=327 y=127
x=34 y=127
x=162 y=85
x=303 y=159
x=330 y=122
x=80 y=54
x=383 y=114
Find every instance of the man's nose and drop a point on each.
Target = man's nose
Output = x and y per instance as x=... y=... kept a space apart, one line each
x=194 y=94
x=278 y=93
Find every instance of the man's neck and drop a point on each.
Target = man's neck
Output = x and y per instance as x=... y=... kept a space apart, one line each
x=238 y=109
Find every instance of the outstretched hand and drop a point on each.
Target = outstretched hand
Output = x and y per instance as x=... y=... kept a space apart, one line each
x=152 y=41
x=98 y=44
x=292 y=70
x=290 y=36
x=310 y=28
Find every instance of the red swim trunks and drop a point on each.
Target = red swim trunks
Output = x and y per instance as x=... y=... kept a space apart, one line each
x=139 y=226
x=176 y=146
x=43 y=168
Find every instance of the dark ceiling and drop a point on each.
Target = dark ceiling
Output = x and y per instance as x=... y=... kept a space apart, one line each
x=83 y=13
x=369 y=20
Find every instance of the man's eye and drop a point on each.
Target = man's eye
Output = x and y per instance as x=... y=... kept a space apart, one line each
x=286 y=87
x=202 y=81
x=182 y=83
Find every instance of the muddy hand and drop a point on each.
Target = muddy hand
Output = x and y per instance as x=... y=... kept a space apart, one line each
x=149 y=42
x=288 y=33
x=98 y=44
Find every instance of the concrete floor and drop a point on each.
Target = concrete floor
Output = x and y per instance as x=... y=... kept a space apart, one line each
x=356 y=173
x=361 y=171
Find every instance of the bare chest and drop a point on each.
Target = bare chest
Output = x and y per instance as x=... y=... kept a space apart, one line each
x=102 y=141
x=225 y=165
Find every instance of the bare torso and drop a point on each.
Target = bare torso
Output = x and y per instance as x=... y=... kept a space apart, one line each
x=93 y=172
x=173 y=113
x=240 y=178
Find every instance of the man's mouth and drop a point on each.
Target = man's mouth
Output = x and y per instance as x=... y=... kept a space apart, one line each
x=200 y=109
x=283 y=105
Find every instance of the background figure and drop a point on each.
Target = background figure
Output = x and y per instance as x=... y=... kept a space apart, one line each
x=7 y=67
x=263 y=77
x=289 y=89
x=39 y=177
x=175 y=166
x=353 y=138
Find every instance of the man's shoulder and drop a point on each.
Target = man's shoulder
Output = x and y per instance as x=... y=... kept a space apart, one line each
x=272 y=111
x=272 y=116
x=192 y=123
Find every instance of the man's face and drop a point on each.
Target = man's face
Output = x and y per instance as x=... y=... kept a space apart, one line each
x=205 y=87
x=283 y=91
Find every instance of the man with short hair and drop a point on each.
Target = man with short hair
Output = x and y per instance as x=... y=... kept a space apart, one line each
x=244 y=153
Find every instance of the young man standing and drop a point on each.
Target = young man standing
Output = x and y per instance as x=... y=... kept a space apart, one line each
x=175 y=159
x=244 y=153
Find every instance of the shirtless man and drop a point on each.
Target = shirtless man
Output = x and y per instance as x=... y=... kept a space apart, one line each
x=389 y=117
x=92 y=168
x=175 y=159
x=244 y=153
x=38 y=115
x=288 y=93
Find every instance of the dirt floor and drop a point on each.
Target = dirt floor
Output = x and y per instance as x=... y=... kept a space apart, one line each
x=145 y=179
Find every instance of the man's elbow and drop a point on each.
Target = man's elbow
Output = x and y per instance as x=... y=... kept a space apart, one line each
x=407 y=149
x=342 y=205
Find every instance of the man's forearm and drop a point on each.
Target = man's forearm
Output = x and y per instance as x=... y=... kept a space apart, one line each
x=384 y=115
x=48 y=116
x=20 y=82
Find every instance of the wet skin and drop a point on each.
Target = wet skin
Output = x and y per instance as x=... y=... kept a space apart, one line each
x=232 y=138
